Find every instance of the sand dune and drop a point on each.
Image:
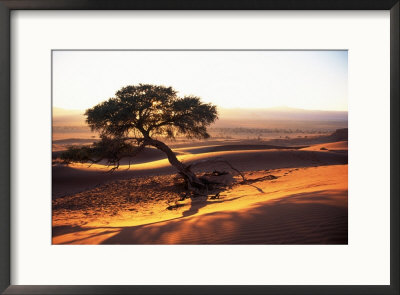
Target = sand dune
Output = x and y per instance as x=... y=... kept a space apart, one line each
x=331 y=146
x=293 y=195
x=295 y=219
x=231 y=147
x=150 y=154
x=77 y=177
x=301 y=206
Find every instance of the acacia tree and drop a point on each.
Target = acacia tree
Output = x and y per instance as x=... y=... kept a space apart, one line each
x=136 y=117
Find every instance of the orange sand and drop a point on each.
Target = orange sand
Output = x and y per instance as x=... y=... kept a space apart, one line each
x=304 y=205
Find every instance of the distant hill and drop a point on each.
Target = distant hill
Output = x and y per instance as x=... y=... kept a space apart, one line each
x=68 y=117
x=282 y=113
x=340 y=134
x=227 y=117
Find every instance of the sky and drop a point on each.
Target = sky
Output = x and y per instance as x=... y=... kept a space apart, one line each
x=314 y=80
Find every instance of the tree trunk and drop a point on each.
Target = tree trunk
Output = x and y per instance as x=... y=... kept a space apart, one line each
x=190 y=178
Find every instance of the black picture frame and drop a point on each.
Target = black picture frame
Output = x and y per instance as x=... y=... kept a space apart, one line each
x=7 y=6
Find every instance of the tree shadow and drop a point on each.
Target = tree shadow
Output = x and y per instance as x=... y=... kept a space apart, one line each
x=308 y=218
x=319 y=217
x=201 y=202
x=70 y=229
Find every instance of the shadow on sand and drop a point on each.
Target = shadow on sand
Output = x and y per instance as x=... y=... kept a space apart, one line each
x=319 y=217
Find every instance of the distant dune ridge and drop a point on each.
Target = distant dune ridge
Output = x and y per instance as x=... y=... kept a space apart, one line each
x=283 y=113
x=340 y=135
x=76 y=117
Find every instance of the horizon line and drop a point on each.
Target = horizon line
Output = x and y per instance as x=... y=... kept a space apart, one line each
x=239 y=108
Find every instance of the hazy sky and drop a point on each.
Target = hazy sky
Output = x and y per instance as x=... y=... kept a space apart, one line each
x=229 y=79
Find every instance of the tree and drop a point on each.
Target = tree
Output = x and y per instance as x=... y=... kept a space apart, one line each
x=136 y=117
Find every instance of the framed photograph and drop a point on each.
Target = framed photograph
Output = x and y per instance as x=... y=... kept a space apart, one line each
x=200 y=147
x=186 y=159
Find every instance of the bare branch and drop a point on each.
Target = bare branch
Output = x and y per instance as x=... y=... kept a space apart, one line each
x=215 y=160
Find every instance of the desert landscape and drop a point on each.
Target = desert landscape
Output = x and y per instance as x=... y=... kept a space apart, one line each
x=200 y=147
x=293 y=190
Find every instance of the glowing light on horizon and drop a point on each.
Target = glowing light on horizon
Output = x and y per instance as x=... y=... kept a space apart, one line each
x=230 y=79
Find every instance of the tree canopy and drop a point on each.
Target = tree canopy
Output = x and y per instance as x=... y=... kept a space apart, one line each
x=149 y=110
x=136 y=117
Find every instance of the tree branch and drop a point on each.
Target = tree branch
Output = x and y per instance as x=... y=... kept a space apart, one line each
x=221 y=160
